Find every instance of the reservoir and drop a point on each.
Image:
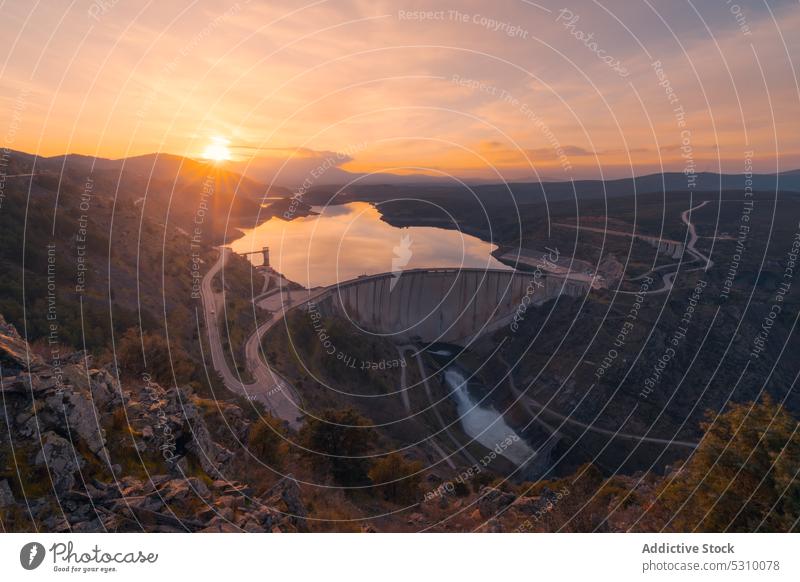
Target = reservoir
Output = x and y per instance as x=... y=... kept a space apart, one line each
x=349 y=240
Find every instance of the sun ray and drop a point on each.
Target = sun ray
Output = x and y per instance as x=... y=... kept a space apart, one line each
x=217 y=150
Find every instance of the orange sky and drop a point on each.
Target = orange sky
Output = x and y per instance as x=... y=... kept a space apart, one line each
x=473 y=89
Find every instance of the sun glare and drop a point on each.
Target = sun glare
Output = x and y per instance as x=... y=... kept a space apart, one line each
x=217 y=150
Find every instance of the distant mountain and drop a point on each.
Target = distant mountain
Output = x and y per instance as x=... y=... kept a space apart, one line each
x=172 y=183
x=322 y=169
x=649 y=184
x=539 y=192
x=163 y=167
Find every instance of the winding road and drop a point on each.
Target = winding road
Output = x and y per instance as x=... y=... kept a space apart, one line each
x=268 y=388
x=278 y=396
x=691 y=247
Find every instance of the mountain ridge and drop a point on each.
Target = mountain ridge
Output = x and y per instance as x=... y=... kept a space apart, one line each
x=788 y=180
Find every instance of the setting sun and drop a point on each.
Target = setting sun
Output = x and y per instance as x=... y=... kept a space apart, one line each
x=217 y=150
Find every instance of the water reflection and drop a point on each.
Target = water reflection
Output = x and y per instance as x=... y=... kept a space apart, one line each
x=349 y=240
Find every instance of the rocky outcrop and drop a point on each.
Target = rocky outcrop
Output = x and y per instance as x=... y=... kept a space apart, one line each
x=611 y=270
x=58 y=456
x=15 y=356
x=6 y=495
x=88 y=453
x=493 y=501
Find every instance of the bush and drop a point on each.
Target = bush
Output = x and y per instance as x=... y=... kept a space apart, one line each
x=335 y=436
x=264 y=440
x=396 y=478
x=149 y=353
x=742 y=477
x=460 y=489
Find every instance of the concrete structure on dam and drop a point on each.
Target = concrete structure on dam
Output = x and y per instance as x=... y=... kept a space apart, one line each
x=446 y=305
x=665 y=246
x=672 y=248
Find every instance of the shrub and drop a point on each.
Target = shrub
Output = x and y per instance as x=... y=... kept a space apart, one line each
x=396 y=478
x=149 y=353
x=741 y=478
x=264 y=440
x=334 y=437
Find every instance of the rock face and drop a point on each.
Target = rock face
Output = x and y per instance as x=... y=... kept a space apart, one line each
x=58 y=456
x=15 y=356
x=94 y=455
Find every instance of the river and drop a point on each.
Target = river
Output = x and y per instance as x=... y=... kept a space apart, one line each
x=345 y=241
x=485 y=425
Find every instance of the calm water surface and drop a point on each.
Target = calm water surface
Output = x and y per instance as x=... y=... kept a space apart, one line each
x=349 y=240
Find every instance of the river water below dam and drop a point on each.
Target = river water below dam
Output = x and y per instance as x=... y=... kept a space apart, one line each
x=485 y=424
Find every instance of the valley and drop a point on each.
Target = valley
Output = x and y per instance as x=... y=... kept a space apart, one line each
x=580 y=340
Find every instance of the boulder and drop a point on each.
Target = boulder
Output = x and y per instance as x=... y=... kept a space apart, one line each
x=527 y=505
x=61 y=460
x=83 y=419
x=6 y=496
x=493 y=501
x=199 y=488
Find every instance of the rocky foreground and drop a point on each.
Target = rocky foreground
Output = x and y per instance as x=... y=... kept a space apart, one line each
x=79 y=452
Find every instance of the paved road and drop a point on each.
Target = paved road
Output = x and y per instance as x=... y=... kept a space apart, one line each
x=407 y=404
x=691 y=245
x=268 y=387
x=612 y=232
x=403 y=383
x=691 y=248
x=612 y=433
x=529 y=402
x=278 y=395
x=667 y=278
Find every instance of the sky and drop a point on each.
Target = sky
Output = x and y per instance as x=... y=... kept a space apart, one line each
x=510 y=89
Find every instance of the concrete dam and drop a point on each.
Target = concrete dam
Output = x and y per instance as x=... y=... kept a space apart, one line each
x=446 y=305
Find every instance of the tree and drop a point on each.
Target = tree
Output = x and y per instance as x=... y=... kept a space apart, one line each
x=333 y=439
x=264 y=440
x=742 y=477
x=397 y=478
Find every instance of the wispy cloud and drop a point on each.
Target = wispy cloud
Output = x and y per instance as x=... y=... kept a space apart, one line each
x=424 y=91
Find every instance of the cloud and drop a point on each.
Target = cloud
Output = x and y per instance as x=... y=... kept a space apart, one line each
x=293 y=166
x=168 y=76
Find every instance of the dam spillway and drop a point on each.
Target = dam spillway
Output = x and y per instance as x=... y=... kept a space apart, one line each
x=445 y=305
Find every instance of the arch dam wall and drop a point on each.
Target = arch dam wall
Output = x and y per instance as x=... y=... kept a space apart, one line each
x=447 y=305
